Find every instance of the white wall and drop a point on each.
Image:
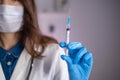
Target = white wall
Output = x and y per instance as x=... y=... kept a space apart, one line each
x=57 y=20
x=45 y=5
x=96 y=23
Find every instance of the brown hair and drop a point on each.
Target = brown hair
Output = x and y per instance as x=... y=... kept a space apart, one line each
x=31 y=34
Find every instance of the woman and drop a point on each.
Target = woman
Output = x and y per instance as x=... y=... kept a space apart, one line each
x=27 y=54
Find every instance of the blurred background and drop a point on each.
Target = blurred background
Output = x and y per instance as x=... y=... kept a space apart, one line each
x=95 y=23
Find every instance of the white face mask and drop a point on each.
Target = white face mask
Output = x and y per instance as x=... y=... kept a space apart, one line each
x=11 y=18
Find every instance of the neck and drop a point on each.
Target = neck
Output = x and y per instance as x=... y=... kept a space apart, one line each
x=8 y=40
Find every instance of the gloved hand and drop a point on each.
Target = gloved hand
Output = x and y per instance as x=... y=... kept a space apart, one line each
x=79 y=61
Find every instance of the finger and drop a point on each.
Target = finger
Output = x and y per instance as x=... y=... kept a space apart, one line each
x=62 y=44
x=79 y=55
x=74 y=45
x=88 y=59
x=68 y=61
x=87 y=62
x=73 y=48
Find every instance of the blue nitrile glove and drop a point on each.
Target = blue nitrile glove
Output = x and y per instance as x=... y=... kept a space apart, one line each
x=79 y=61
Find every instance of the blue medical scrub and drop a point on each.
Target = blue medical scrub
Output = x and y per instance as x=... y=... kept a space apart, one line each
x=9 y=58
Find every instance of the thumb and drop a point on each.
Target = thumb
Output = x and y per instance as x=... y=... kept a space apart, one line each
x=68 y=61
x=62 y=44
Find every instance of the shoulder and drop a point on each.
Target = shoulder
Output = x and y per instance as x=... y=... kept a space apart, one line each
x=51 y=57
x=53 y=49
x=51 y=45
x=52 y=53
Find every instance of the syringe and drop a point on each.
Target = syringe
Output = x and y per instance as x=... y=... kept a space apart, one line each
x=68 y=32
